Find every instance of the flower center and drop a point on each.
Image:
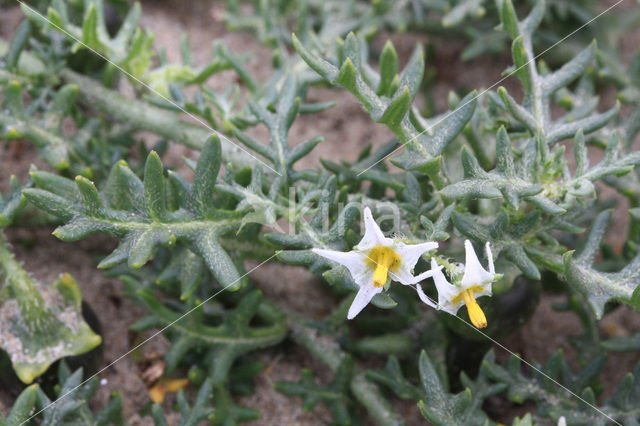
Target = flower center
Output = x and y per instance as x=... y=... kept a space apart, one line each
x=383 y=258
x=475 y=312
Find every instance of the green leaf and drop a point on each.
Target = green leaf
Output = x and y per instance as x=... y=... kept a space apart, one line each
x=439 y=406
x=388 y=69
x=471 y=8
x=138 y=214
x=506 y=180
x=424 y=139
x=509 y=18
x=596 y=286
x=569 y=71
x=12 y=202
x=335 y=395
x=384 y=301
x=412 y=73
x=393 y=378
x=347 y=76
x=223 y=344
x=190 y=415
x=22 y=407
x=206 y=174
x=397 y=109
x=623 y=343
x=90 y=29
x=42 y=324
x=219 y=262
x=70 y=409
x=432 y=136
x=154 y=187
x=17 y=45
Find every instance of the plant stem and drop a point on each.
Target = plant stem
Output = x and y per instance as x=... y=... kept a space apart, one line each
x=57 y=149
x=260 y=250
x=368 y=394
x=147 y=117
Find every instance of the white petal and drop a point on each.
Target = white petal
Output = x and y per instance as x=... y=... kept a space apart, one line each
x=492 y=269
x=410 y=253
x=426 y=299
x=471 y=261
x=373 y=236
x=355 y=262
x=562 y=421
x=404 y=276
x=486 y=291
x=364 y=296
x=446 y=290
x=450 y=307
x=346 y=258
x=474 y=273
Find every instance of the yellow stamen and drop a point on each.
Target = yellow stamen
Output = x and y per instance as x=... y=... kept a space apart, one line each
x=383 y=258
x=475 y=312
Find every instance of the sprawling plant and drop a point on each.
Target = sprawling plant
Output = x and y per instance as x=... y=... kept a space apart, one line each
x=451 y=229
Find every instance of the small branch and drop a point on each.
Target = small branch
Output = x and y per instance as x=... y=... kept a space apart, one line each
x=42 y=138
x=368 y=394
x=322 y=347
x=260 y=250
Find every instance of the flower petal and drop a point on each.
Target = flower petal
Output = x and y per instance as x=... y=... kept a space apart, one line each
x=373 y=236
x=410 y=253
x=474 y=273
x=404 y=276
x=446 y=290
x=354 y=261
x=426 y=299
x=492 y=269
x=364 y=296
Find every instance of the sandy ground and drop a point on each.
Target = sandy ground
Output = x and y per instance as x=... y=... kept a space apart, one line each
x=347 y=129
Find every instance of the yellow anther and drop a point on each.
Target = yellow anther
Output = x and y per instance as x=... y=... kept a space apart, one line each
x=475 y=312
x=383 y=259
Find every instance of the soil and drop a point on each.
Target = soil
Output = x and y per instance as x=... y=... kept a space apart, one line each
x=347 y=130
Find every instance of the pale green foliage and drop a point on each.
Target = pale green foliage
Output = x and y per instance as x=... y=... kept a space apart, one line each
x=388 y=97
x=40 y=324
x=131 y=48
x=167 y=211
x=222 y=344
x=598 y=287
x=334 y=395
x=553 y=402
x=491 y=167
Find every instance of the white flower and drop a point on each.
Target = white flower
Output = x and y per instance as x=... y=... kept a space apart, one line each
x=562 y=421
x=475 y=282
x=373 y=258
